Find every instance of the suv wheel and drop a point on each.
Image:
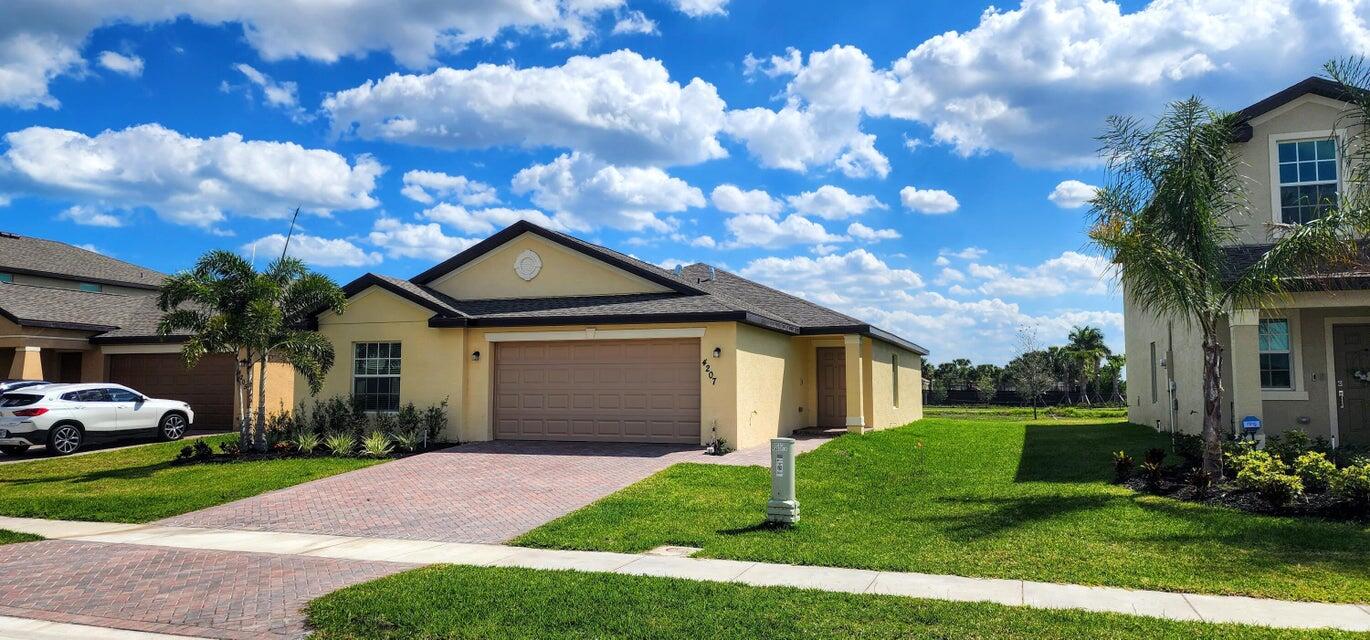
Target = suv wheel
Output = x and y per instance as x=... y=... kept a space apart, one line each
x=64 y=439
x=172 y=427
x=13 y=449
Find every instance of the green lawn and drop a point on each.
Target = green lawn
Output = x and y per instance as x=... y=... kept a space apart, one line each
x=140 y=484
x=477 y=603
x=10 y=537
x=981 y=498
x=1024 y=413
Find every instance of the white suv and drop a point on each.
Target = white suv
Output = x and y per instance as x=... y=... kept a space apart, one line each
x=65 y=416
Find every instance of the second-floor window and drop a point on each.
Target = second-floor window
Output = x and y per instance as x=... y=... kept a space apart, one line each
x=92 y=287
x=1308 y=179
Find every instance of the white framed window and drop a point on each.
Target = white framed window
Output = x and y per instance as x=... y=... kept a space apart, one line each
x=1276 y=354
x=376 y=375
x=1306 y=176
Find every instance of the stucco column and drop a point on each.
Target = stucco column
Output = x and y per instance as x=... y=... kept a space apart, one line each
x=1244 y=359
x=28 y=364
x=856 y=401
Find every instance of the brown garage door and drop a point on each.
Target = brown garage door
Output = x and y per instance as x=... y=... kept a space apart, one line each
x=208 y=387
x=598 y=390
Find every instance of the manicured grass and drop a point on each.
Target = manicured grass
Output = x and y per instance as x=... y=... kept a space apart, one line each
x=10 y=537
x=140 y=484
x=1024 y=413
x=478 y=603
x=981 y=498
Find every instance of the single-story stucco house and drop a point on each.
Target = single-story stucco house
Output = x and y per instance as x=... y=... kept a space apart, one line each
x=536 y=335
x=68 y=314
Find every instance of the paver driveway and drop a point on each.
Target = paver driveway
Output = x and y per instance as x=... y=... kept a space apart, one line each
x=212 y=594
x=478 y=492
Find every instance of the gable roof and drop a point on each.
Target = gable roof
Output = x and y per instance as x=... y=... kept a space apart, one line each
x=36 y=256
x=1310 y=85
x=1322 y=275
x=694 y=297
x=627 y=263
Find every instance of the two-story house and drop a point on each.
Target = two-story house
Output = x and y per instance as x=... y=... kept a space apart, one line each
x=1305 y=364
x=72 y=315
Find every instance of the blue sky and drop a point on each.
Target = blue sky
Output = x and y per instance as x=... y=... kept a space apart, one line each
x=894 y=160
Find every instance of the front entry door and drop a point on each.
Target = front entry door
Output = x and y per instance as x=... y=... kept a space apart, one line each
x=1351 y=346
x=832 y=387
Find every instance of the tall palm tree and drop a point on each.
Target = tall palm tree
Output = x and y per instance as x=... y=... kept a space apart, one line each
x=1086 y=345
x=1173 y=194
x=228 y=307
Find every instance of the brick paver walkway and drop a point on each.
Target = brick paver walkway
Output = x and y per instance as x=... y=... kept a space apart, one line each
x=212 y=594
x=478 y=492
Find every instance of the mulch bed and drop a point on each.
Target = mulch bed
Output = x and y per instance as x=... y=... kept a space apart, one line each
x=1226 y=494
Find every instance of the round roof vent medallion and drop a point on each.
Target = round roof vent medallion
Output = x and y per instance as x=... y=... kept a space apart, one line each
x=527 y=265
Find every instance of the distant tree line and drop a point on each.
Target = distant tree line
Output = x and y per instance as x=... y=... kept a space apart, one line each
x=1082 y=371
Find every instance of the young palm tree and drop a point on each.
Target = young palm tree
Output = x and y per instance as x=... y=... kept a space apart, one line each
x=294 y=292
x=1086 y=345
x=228 y=307
x=218 y=302
x=1173 y=195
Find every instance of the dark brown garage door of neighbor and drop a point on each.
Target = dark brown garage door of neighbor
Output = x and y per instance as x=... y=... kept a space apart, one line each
x=208 y=387
x=598 y=390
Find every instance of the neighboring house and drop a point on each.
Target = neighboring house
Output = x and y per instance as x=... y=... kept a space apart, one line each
x=72 y=315
x=1305 y=364
x=533 y=334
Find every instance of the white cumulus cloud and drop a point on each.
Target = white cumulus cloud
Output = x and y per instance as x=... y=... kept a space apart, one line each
x=731 y=199
x=863 y=232
x=930 y=201
x=400 y=239
x=323 y=252
x=429 y=186
x=129 y=65
x=620 y=107
x=1072 y=194
x=635 y=22
x=90 y=216
x=584 y=193
x=833 y=203
x=486 y=221
x=187 y=180
x=757 y=230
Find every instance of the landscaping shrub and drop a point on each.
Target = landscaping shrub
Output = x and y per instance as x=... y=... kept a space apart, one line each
x=306 y=441
x=1122 y=465
x=1154 y=455
x=1151 y=472
x=1268 y=477
x=406 y=440
x=1315 y=470
x=1289 y=445
x=376 y=445
x=1352 y=485
x=1201 y=480
x=1190 y=448
x=435 y=420
x=230 y=448
x=341 y=444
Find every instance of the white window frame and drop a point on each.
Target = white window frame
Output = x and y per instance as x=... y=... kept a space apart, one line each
x=1297 y=390
x=396 y=376
x=1276 y=211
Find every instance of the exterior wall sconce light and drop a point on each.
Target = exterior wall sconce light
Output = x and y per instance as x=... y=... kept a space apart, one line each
x=475 y=356
x=718 y=352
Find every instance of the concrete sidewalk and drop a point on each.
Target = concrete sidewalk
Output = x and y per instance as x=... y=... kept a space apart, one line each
x=1157 y=604
x=12 y=628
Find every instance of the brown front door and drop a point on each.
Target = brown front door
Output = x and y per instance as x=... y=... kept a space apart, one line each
x=598 y=390
x=832 y=387
x=1351 y=349
x=68 y=366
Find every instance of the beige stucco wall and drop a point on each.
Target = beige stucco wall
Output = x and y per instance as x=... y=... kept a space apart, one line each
x=1306 y=114
x=431 y=359
x=771 y=388
x=884 y=412
x=1180 y=344
x=564 y=273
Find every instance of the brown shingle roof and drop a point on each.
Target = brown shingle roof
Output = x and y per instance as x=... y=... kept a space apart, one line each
x=694 y=297
x=72 y=309
x=23 y=254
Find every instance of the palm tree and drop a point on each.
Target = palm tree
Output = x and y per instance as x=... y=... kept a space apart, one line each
x=294 y=293
x=228 y=307
x=1174 y=190
x=1086 y=345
